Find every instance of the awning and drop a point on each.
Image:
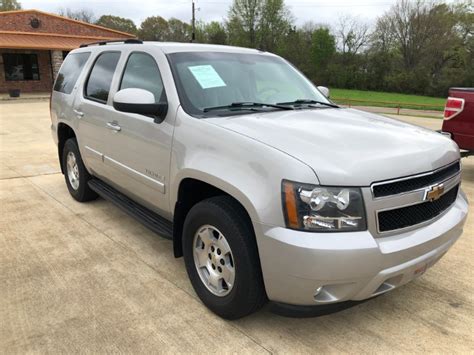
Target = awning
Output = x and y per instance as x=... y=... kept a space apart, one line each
x=45 y=41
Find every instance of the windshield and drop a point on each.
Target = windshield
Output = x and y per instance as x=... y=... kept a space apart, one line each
x=216 y=84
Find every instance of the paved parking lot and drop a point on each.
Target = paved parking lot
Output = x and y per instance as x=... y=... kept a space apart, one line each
x=88 y=278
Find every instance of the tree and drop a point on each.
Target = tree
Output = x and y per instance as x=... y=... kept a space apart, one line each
x=213 y=32
x=352 y=34
x=9 y=5
x=274 y=25
x=382 y=38
x=243 y=22
x=417 y=46
x=178 y=31
x=415 y=26
x=258 y=23
x=323 y=49
x=293 y=50
x=429 y=45
x=154 y=28
x=297 y=45
x=84 y=15
x=464 y=13
x=117 y=23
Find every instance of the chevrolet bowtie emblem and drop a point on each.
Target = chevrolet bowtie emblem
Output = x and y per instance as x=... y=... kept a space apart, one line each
x=434 y=192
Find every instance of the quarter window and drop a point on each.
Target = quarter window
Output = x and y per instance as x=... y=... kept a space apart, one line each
x=100 y=78
x=141 y=72
x=21 y=66
x=70 y=71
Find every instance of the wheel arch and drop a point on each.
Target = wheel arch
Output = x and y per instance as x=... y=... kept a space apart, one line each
x=193 y=188
x=65 y=132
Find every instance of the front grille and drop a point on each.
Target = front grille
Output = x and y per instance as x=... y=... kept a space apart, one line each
x=397 y=187
x=415 y=214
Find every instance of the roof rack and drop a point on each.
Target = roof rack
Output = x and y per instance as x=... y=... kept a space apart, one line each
x=103 y=43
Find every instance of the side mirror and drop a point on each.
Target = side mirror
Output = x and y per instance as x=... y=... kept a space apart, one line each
x=324 y=90
x=141 y=102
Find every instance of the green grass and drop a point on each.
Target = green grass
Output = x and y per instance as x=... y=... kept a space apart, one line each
x=380 y=99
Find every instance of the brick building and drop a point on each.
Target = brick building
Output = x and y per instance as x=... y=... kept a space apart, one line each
x=33 y=45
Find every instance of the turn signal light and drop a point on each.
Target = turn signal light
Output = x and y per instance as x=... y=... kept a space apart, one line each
x=290 y=205
x=454 y=107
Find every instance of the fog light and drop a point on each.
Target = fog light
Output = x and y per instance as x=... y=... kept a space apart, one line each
x=318 y=291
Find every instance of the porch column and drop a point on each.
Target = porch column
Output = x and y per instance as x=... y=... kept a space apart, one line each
x=56 y=61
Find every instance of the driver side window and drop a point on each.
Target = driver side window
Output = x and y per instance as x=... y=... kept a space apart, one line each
x=141 y=72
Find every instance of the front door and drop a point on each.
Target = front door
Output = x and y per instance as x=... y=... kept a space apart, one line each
x=138 y=156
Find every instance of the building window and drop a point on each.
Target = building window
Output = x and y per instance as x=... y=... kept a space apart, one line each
x=21 y=66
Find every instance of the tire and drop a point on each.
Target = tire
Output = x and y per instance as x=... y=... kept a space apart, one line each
x=76 y=184
x=213 y=217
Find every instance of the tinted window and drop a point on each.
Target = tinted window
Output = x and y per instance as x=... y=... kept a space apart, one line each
x=70 y=71
x=142 y=72
x=100 y=78
x=21 y=66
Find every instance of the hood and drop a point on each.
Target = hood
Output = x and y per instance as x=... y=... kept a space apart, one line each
x=347 y=147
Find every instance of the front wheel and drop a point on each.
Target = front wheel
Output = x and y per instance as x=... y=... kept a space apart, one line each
x=221 y=258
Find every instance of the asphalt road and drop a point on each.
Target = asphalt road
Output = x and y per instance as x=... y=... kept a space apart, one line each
x=88 y=278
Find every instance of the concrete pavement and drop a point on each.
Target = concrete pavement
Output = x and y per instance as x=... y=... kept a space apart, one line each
x=88 y=278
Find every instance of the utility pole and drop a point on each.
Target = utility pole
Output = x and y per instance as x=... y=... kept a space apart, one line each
x=193 y=21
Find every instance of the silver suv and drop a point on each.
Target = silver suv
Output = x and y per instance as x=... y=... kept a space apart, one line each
x=268 y=189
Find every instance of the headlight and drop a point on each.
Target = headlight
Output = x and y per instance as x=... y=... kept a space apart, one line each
x=323 y=209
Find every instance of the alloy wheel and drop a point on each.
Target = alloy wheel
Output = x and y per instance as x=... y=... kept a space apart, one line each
x=214 y=260
x=72 y=170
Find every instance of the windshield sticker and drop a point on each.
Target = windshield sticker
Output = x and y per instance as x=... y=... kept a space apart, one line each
x=207 y=76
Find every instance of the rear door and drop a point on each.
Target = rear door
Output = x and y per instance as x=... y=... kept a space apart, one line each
x=65 y=88
x=93 y=110
x=138 y=155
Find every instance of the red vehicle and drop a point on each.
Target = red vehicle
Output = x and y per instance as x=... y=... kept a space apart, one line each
x=459 y=118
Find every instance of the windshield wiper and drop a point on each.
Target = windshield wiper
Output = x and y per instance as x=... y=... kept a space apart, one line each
x=307 y=102
x=246 y=106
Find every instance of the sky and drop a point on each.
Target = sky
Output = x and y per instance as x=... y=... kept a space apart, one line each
x=318 y=11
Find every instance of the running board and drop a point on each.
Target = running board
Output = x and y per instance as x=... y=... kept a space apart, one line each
x=150 y=219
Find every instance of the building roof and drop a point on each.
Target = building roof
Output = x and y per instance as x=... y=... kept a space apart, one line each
x=54 y=32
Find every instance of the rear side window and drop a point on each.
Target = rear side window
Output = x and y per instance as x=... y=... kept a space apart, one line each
x=100 y=78
x=70 y=71
x=141 y=72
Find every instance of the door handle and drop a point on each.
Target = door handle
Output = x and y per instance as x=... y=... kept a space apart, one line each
x=78 y=113
x=114 y=126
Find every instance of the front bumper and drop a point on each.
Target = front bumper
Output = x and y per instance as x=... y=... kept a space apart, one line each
x=351 y=266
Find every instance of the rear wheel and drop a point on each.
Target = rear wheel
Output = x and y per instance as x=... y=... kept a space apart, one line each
x=75 y=173
x=221 y=258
